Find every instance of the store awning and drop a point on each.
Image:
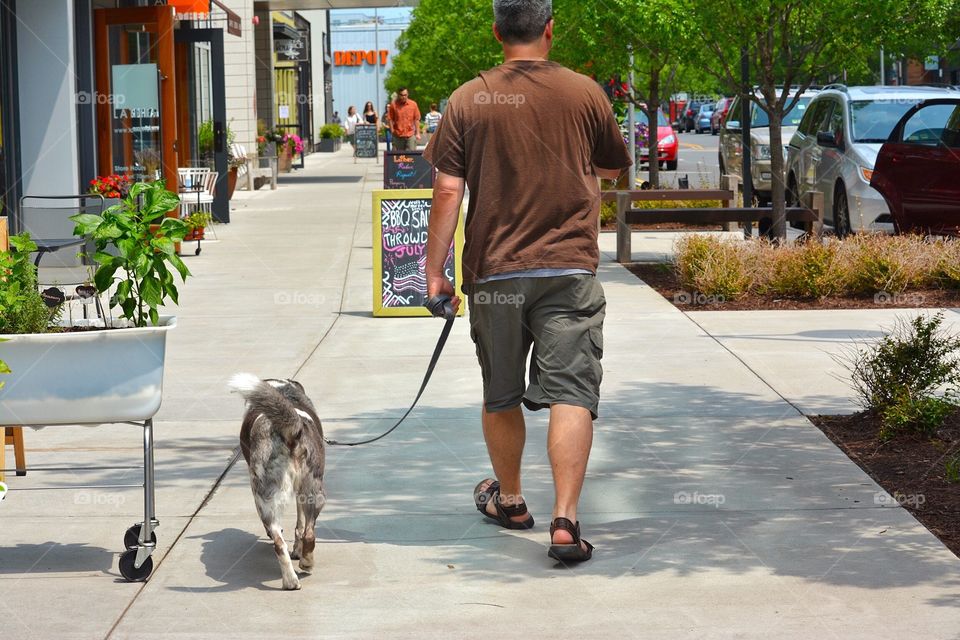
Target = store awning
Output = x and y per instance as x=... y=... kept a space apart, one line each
x=299 y=5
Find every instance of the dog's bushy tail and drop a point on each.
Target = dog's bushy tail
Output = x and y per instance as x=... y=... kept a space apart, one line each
x=264 y=399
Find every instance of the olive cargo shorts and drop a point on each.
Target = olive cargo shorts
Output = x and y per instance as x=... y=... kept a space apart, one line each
x=562 y=318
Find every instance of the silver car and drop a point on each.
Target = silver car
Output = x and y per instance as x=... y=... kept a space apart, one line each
x=835 y=147
x=731 y=145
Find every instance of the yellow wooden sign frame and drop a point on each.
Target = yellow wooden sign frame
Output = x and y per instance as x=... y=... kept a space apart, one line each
x=407 y=194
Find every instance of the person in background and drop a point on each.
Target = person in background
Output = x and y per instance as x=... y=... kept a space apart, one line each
x=353 y=119
x=336 y=118
x=433 y=117
x=404 y=117
x=385 y=123
x=370 y=115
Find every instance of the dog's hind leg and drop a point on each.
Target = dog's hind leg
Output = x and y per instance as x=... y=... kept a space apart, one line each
x=313 y=504
x=298 y=534
x=290 y=580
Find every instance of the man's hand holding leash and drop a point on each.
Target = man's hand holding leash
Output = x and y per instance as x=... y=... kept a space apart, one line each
x=444 y=215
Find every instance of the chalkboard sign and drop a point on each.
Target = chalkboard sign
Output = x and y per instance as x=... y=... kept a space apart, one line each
x=406 y=170
x=366 y=141
x=400 y=221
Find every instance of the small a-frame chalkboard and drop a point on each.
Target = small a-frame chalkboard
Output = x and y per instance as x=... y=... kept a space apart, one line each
x=366 y=141
x=400 y=223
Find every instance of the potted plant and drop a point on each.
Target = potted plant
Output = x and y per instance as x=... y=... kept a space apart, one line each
x=196 y=223
x=331 y=136
x=289 y=145
x=111 y=371
x=235 y=163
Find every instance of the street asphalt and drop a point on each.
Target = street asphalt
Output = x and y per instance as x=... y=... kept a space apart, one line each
x=717 y=509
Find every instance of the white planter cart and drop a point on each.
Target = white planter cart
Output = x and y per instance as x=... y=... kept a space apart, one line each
x=90 y=378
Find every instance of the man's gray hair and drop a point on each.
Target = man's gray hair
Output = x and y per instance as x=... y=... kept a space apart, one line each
x=522 y=21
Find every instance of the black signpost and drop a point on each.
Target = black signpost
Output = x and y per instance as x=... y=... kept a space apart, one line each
x=406 y=170
x=365 y=141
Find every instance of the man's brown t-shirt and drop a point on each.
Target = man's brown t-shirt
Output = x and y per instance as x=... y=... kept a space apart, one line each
x=526 y=136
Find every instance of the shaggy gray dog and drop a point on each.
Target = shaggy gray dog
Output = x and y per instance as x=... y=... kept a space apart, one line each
x=282 y=442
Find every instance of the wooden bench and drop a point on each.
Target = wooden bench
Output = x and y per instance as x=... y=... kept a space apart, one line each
x=811 y=214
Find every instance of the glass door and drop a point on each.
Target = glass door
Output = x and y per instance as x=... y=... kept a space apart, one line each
x=202 y=110
x=136 y=119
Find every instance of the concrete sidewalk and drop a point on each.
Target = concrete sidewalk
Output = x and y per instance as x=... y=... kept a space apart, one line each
x=717 y=509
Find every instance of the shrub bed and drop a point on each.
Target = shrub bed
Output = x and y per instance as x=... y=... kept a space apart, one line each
x=864 y=265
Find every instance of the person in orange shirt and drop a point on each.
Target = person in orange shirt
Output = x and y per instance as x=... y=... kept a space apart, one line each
x=404 y=115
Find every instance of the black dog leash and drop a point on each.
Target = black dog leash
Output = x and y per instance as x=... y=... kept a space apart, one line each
x=440 y=307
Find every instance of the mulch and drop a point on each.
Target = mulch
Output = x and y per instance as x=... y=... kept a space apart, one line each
x=662 y=278
x=911 y=468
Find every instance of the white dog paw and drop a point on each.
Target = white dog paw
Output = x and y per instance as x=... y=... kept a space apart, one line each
x=292 y=585
x=306 y=564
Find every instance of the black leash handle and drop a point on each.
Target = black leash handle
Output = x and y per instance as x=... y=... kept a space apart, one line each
x=440 y=307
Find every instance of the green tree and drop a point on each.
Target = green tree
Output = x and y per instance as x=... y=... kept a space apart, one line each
x=447 y=43
x=599 y=37
x=794 y=43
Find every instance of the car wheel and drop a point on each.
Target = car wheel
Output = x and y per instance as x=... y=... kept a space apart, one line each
x=672 y=165
x=841 y=212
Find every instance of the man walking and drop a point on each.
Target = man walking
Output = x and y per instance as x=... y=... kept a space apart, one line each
x=530 y=255
x=404 y=119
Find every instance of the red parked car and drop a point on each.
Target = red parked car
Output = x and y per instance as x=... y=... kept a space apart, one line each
x=918 y=169
x=719 y=113
x=668 y=145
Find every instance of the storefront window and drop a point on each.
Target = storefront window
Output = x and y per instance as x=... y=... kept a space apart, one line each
x=4 y=181
x=135 y=104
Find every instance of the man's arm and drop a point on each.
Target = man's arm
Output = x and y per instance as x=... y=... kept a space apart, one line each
x=444 y=216
x=416 y=123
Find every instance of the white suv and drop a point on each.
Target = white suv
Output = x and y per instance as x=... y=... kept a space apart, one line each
x=835 y=147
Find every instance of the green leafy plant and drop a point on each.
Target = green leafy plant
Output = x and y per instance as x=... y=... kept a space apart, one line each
x=952 y=468
x=4 y=368
x=331 y=131
x=144 y=238
x=901 y=376
x=923 y=414
x=198 y=220
x=22 y=309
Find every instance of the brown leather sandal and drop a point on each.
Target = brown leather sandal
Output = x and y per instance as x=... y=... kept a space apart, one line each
x=504 y=512
x=569 y=552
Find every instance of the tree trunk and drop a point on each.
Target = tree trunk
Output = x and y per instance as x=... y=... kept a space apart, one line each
x=778 y=200
x=653 y=105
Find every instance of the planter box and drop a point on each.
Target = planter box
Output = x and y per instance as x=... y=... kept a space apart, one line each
x=329 y=145
x=85 y=377
x=284 y=162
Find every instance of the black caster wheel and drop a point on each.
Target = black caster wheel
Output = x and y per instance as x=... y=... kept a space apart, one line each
x=131 y=573
x=197 y=252
x=131 y=539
